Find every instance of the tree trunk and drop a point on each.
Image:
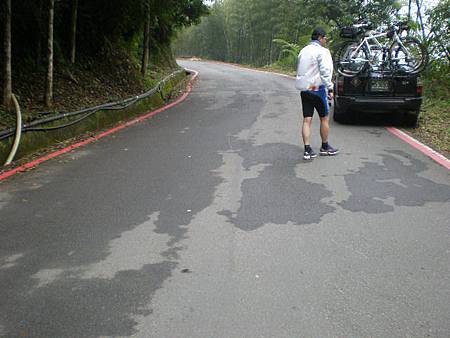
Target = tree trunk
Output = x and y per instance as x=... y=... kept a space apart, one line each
x=409 y=10
x=48 y=98
x=228 y=44
x=146 y=49
x=270 y=48
x=7 y=82
x=73 y=33
x=419 y=15
x=39 y=20
x=239 y=50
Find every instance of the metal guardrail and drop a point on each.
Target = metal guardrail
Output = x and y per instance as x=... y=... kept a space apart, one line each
x=118 y=105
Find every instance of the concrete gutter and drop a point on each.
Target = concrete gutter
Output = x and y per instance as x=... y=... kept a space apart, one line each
x=33 y=141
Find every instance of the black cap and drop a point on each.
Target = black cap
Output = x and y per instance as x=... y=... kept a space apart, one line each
x=318 y=32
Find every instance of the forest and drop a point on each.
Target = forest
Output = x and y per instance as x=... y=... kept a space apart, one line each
x=271 y=32
x=62 y=53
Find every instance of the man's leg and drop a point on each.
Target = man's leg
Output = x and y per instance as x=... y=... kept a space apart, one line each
x=306 y=134
x=306 y=130
x=324 y=129
x=308 y=111
x=326 y=149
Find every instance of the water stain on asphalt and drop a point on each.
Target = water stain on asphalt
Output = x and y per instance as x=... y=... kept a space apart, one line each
x=396 y=178
x=87 y=307
x=277 y=195
x=113 y=272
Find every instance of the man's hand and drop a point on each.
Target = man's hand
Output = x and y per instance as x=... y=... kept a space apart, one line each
x=330 y=95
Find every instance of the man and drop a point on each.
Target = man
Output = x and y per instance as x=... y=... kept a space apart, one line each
x=314 y=74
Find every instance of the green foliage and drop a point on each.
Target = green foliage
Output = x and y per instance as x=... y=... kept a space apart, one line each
x=208 y=38
x=109 y=39
x=288 y=54
x=243 y=31
x=435 y=124
x=287 y=47
x=100 y=24
x=436 y=78
x=170 y=15
x=250 y=31
x=438 y=40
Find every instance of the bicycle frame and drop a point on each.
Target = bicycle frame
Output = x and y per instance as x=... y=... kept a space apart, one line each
x=383 y=51
x=369 y=47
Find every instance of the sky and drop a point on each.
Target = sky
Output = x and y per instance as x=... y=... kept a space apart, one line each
x=425 y=3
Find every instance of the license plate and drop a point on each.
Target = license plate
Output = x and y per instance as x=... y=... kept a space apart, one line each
x=379 y=86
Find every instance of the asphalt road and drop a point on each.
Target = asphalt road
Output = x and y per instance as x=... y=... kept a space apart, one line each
x=204 y=221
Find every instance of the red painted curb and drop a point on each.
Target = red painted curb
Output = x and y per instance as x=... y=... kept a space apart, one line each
x=34 y=163
x=439 y=158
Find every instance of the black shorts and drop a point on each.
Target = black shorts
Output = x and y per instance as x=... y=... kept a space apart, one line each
x=311 y=101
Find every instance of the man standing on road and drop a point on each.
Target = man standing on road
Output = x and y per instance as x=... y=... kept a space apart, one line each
x=314 y=74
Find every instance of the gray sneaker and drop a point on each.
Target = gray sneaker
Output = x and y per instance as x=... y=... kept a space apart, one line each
x=330 y=151
x=309 y=155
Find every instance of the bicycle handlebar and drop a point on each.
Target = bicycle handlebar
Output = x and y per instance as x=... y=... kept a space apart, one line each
x=363 y=25
x=367 y=25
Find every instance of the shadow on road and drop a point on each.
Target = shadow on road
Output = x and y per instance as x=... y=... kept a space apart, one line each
x=381 y=120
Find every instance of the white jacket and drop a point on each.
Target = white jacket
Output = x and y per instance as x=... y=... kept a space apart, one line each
x=315 y=68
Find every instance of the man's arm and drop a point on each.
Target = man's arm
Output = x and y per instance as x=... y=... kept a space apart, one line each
x=326 y=68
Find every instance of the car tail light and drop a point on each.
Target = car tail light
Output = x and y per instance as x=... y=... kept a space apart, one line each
x=419 y=88
x=340 y=85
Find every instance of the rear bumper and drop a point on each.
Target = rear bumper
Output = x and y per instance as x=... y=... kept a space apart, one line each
x=378 y=104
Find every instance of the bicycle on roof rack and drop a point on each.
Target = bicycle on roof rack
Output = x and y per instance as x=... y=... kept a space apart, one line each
x=379 y=50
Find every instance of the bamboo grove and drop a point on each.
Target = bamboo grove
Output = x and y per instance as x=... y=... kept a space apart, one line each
x=261 y=32
x=36 y=33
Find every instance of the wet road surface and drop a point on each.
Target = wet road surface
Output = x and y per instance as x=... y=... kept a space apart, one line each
x=204 y=221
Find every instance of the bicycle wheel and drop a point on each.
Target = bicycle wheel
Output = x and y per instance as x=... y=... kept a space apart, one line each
x=349 y=61
x=410 y=56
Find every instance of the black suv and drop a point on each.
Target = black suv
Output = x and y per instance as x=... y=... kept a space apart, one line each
x=377 y=92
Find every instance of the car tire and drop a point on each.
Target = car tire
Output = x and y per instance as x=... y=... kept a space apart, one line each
x=411 y=119
x=339 y=115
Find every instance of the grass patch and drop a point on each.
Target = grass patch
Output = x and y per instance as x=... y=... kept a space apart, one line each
x=278 y=67
x=434 y=125
x=88 y=83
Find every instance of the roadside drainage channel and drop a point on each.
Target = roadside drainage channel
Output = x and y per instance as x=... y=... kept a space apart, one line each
x=50 y=131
